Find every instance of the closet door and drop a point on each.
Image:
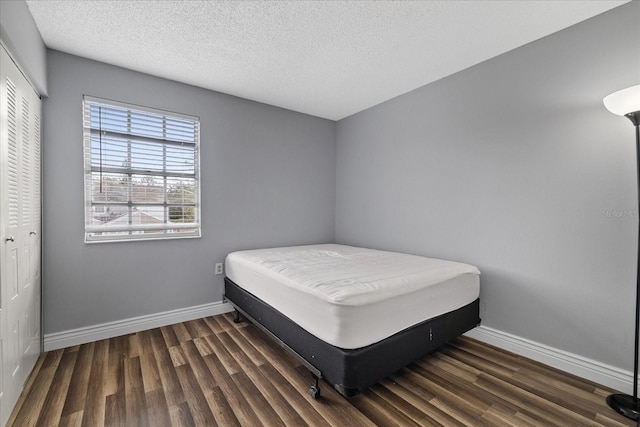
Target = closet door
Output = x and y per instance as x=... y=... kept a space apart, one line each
x=29 y=261
x=32 y=308
x=19 y=232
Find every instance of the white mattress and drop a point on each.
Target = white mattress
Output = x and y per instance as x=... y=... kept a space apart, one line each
x=353 y=297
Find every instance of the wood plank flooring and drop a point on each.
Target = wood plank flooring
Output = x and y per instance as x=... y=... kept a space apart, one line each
x=211 y=372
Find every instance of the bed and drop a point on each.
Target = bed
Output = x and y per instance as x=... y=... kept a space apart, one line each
x=353 y=316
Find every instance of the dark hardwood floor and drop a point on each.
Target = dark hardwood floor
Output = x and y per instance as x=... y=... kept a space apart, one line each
x=213 y=372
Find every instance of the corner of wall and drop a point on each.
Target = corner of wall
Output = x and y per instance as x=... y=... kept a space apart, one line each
x=21 y=37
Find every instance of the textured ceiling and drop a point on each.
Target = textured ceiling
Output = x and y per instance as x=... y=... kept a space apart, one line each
x=325 y=58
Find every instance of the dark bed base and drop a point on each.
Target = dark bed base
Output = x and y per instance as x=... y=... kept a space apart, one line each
x=353 y=370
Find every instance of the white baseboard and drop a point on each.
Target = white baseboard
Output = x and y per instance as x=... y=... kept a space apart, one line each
x=592 y=370
x=598 y=372
x=102 y=331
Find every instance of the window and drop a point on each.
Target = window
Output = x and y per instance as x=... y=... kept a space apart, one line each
x=141 y=172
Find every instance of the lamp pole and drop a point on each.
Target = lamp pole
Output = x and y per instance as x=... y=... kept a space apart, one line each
x=627 y=102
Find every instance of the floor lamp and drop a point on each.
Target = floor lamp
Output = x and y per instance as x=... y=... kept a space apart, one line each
x=627 y=103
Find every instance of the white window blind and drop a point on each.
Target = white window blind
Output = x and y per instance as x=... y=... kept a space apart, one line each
x=141 y=172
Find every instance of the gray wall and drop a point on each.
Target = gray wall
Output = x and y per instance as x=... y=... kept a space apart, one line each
x=22 y=39
x=268 y=179
x=516 y=166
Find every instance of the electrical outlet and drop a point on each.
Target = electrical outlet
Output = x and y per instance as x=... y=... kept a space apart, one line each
x=218 y=268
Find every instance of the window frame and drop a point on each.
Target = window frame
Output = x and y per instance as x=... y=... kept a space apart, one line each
x=138 y=233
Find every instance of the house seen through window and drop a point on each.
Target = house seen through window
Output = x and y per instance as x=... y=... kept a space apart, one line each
x=141 y=170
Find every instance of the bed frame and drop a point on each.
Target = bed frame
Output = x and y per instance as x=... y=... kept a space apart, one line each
x=350 y=371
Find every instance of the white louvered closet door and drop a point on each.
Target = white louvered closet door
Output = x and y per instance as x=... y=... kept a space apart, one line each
x=20 y=228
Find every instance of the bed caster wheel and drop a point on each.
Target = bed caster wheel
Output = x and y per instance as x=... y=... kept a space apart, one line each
x=314 y=392
x=237 y=318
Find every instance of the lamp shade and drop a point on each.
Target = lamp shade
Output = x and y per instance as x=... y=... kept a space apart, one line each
x=624 y=101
